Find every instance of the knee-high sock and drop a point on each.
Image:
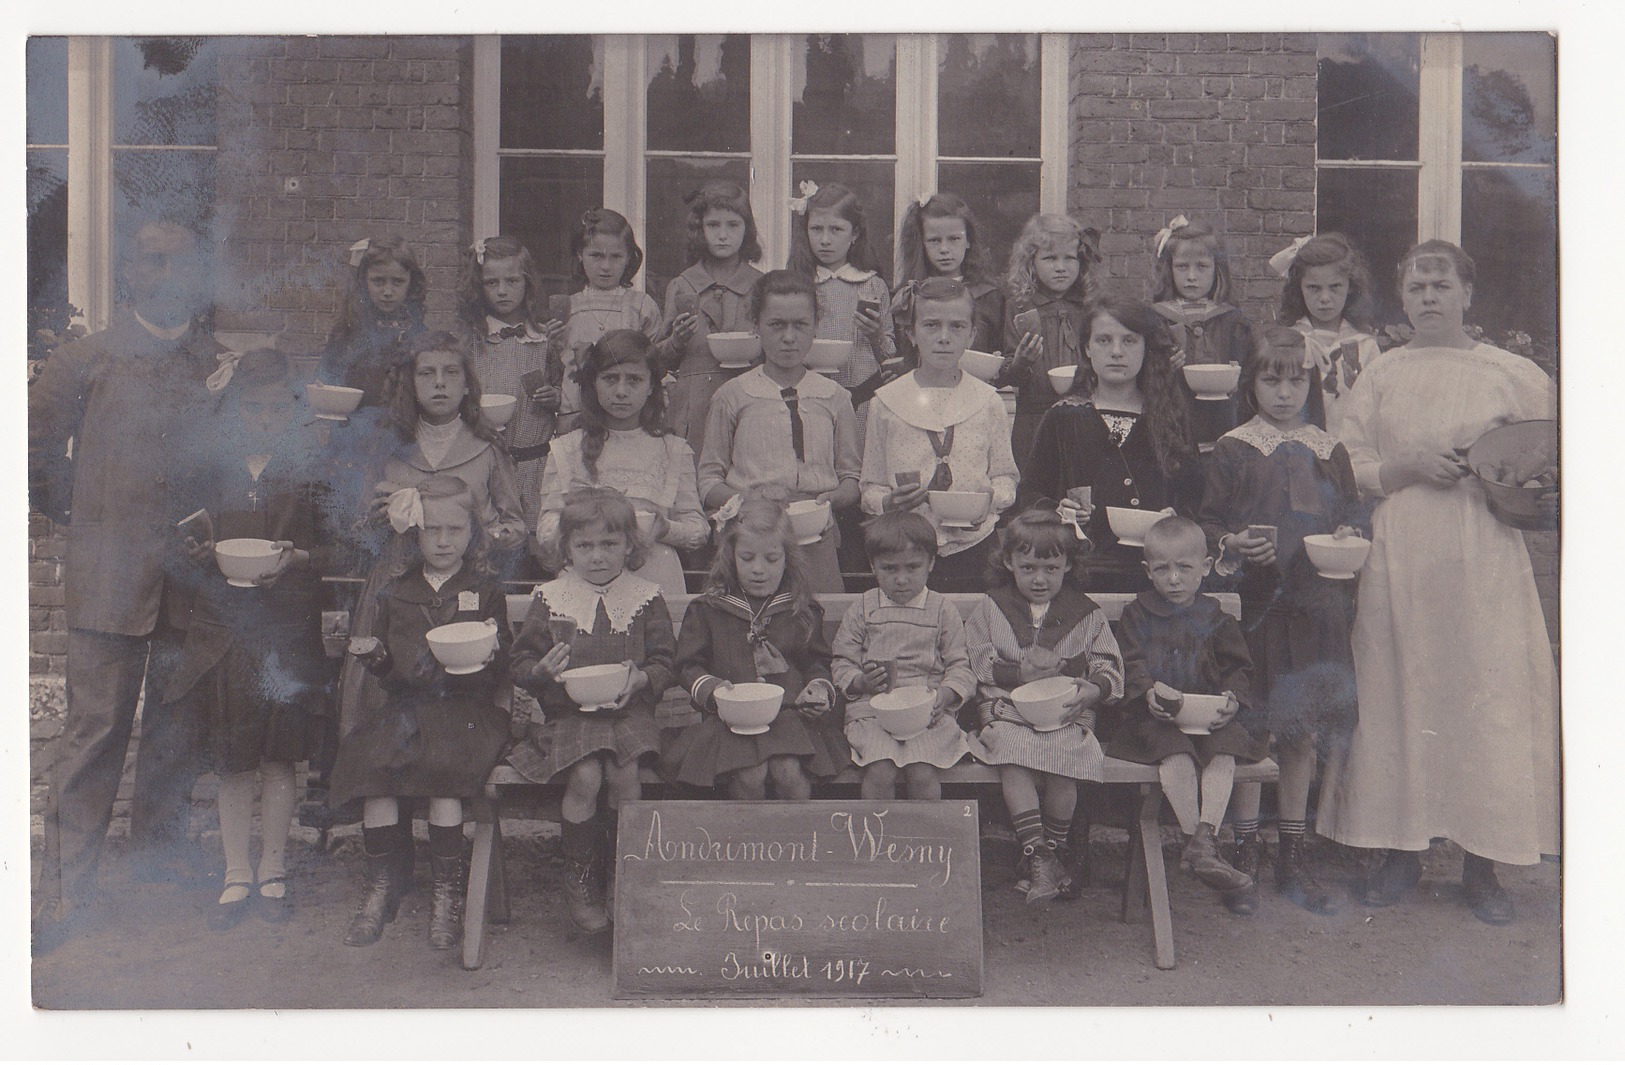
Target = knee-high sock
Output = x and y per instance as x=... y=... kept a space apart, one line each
x=1178 y=776
x=236 y=805
x=1217 y=780
x=277 y=794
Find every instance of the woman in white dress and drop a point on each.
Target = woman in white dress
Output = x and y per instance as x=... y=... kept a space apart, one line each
x=1458 y=730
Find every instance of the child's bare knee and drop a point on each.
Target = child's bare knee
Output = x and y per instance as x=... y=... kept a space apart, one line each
x=786 y=770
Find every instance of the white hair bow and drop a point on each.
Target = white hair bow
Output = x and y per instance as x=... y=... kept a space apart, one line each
x=221 y=377
x=1166 y=233
x=798 y=204
x=1281 y=262
x=1069 y=516
x=478 y=248
x=924 y=198
x=727 y=512
x=358 y=249
x=405 y=510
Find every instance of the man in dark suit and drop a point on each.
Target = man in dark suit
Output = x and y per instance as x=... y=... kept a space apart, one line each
x=108 y=417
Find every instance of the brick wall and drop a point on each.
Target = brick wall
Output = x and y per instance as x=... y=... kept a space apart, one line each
x=377 y=132
x=1215 y=126
x=47 y=625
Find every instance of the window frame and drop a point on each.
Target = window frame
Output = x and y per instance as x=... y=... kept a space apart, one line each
x=626 y=153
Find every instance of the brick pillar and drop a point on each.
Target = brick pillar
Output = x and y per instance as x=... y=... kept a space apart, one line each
x=1215 y=126
x=323 y=141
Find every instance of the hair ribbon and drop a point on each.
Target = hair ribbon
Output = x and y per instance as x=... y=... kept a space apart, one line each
x=478 y=248
x=798 y=204
x=358 y=249
x=1281 y=262
x=405 y=510
x=924 y=198
x=221 y=377
x=1166 y=233
x=727 y=512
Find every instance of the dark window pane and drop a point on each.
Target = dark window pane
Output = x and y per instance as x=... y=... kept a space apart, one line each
x=1368 y=88
x=699 y=93
x=1002 y=196
x=553 y=92
x=669 y=181
x=988 y=88
x=47 y=229
x=164 y=89
x=176 y=185
x=1509 y=227
x=542 y=201
x=1377 y=210
x=1509 y=98
x=845 y=95
x=873 y=182
x=47 y=122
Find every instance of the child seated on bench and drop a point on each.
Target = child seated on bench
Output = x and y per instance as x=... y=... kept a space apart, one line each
x=1178 y=642
x=1034 y=624
x=898 y=635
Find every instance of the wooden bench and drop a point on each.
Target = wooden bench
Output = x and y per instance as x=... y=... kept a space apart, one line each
x=1146 y=882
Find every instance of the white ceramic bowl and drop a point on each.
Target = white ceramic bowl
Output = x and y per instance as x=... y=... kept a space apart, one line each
x=1213 y=380
x=808 y=518
x=829 y=356
x=332 y=402
x=906 y=712
x=595 y=687
x=1043 y=702
x=749 y=709
x=244 y=561
x=734 y=351
x=462 y=646
x=497 y=409
x=1338 y=559
x=960 y=508
x=980 y=365
x=1130 y=526
x=1198 y=713
x=1061 y=379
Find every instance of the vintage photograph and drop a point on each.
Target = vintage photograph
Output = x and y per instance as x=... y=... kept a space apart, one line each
x=583 y=520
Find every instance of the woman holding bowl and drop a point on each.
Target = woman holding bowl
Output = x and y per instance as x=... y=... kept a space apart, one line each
x=1458 y=730
x=938 y=429
x=1119 y=438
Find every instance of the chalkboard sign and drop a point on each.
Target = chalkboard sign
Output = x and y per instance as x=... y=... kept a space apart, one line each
x=831 y=898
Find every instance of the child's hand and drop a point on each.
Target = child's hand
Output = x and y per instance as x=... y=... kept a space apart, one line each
x=814 y=700
x=872 y=681
x=947 y=702
x=636 y=680
x=1085 y=511
x=1164 y=701
x=1030 y=348
x=197 y=552
x=548 y=398
x=1343 y=532
x=551 y=664
x=868 y=322
x=1038 y=663
x=1257 y=550
x=1177 y=359
x=906 y=497
x=290 y=556
x=1231 y=708
x=369 y=649
x=683 y=326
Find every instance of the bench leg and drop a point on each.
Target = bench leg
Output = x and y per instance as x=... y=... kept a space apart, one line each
x=499 y=911
x=1135 y=892
x=1162 y=921
x=475 y=910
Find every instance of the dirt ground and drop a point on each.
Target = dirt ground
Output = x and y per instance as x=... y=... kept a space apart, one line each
x=150 y=948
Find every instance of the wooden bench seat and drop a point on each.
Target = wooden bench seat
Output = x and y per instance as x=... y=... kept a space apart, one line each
x=1145 y=886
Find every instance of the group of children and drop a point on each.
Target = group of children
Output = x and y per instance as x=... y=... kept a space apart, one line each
x=629 y=442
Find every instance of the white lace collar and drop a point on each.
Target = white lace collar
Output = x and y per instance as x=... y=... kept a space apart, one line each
x=570 y=596
x=934 y=409
x=846 y=272
x=1266 y=437
x=494 y=325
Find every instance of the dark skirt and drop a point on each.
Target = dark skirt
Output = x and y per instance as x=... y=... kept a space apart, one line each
x=1148 y=741
x=704 y=752
x=567 y=739
x=1303 y=663
x=421 y=745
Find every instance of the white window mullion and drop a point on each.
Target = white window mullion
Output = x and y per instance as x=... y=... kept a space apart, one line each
x=772 y=69
x=626 y=107
x=1439 y=138
x=1055 y=58
x=91 y=255
x=487 y=135
x=916 y=171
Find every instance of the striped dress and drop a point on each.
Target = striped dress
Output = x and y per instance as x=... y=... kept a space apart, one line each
x=926 y=640
x=1000 y=631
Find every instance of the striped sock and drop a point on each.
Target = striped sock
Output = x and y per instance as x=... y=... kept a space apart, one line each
x=1291 y=828
x=1029 y=826
x=1056 y=828
x=1245 y=828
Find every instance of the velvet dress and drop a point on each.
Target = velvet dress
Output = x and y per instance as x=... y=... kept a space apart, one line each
x=1061 y=324
x=1209 y=333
